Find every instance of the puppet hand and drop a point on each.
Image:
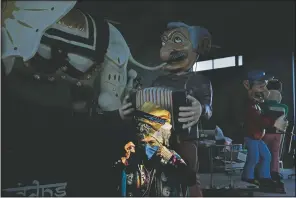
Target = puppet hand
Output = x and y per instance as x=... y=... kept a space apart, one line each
x=126 y=108
x=190 y=114
x=281 y=123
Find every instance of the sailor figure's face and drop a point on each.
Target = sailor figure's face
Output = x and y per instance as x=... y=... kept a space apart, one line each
x=259 y=91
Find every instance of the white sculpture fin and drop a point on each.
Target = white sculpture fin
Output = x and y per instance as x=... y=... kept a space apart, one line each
x=24 y=22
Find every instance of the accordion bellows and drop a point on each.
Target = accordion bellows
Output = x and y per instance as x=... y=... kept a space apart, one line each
x=158 y=96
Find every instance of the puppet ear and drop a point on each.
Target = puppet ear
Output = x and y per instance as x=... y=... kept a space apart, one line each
x=204 y=45
x=246 y=84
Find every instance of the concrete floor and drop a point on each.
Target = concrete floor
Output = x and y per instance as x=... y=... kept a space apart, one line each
x=224 y=181
x=289 y=185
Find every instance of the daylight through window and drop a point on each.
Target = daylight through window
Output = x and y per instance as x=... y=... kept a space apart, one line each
x=218 y=63
x=203 y=65
x=224 y=62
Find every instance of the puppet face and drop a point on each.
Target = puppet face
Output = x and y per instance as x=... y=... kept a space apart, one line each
x=275 y=95
x=177 y=50
x=257 y=90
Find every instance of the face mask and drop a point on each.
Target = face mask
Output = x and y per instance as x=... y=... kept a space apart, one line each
x=150 y=150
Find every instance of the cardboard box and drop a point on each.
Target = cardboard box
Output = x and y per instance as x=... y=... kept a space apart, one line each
x=236 y=155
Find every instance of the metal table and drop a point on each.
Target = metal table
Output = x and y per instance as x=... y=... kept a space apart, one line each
x=225 y=178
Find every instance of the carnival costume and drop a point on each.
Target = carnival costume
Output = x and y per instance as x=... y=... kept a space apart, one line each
x=150 y=167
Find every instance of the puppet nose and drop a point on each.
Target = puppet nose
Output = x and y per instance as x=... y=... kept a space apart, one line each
x=165 y=53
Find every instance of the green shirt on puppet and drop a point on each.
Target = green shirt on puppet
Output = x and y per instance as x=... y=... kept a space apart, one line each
x=273 y=105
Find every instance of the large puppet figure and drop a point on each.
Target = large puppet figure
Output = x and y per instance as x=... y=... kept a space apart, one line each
x=181 y=47
x=273 y=108
x=151 y=168
x=256 y=124
x=51 y=49
x=56 y=55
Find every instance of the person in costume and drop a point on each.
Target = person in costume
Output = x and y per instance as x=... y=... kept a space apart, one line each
x=273 y=108
x=182 y=45
x=256 y=124
x=150 y=166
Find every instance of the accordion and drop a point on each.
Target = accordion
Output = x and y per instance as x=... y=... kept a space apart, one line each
x=165 y=98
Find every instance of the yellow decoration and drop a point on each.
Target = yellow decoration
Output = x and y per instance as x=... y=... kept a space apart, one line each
x=155 y=110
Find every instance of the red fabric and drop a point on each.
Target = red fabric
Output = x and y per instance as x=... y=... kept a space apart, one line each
x=273 y=142
x=256 y=122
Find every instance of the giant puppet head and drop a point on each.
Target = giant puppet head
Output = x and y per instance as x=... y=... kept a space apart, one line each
x=274 y=95
x=182 y=45
x=275 y=84
x=256 y=84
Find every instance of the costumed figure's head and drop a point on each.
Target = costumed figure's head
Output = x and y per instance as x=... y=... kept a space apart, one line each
x=182 y=44
x=256 y=84
x=154 y=128
x=275 y=84
x=275 y=88
x=274 y=95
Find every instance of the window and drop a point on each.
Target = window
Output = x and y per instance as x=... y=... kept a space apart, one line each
x=203 y=65
x=224 y=62
x=240 y=60
x=218 y=63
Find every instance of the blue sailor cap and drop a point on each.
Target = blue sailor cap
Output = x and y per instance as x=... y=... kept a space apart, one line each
x=258 y=75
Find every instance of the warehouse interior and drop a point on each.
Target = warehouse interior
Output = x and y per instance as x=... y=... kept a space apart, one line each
x=42 y=141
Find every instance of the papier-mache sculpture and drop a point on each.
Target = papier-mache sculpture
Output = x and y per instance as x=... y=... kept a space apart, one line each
x=186 y=94
x=257 y=124
x=274 y=137
x=59 y=43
